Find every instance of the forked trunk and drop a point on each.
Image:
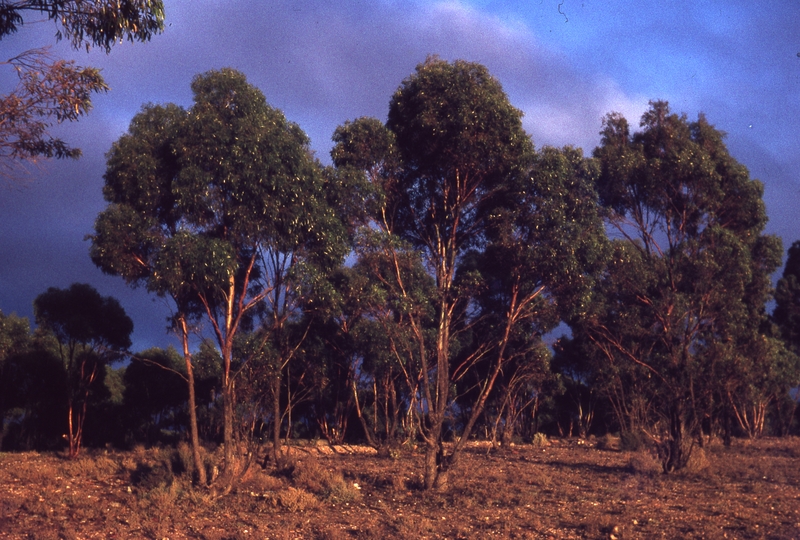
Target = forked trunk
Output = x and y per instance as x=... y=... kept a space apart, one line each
x=437 y=468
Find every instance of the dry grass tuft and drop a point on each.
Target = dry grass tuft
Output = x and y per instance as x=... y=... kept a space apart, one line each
x=259 y=482
x=608 y=442
x=98 y=467
x=293 y=500
x=698 y=461
x=328 y=484
x=163 y=498
x=645 y=463
x=540 y=440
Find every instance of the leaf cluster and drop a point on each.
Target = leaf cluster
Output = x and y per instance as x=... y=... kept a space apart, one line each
x=85 y=23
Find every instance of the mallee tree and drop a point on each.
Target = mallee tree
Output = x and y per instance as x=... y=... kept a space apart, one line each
x=223 y=208
x=682 y=298
x=92 y=330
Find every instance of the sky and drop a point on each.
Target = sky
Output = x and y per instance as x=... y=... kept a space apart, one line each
x=564 y=63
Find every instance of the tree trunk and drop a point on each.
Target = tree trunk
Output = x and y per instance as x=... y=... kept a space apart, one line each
x=675 y=452
x=508 y=426
x=276 y=414
x=229 y=452
x=431 y=466
x=435 y=460
x=73 y=449
x=199 y=467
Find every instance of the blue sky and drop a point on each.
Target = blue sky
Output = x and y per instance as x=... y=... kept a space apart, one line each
x=565 y=64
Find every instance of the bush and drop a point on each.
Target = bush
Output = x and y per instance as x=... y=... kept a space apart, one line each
x=294 y=500
x=633 y=441
x=149 y=477
x=698 y=460
x=644 y=463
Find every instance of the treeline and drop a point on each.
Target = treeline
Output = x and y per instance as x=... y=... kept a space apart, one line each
x=401 y=295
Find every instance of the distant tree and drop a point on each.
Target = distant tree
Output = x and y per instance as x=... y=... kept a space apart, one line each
x=786 y=317
x=787 y=300
x=682 y=300
x=15 y=339
x=91 y=331
x=51 y=91
x=32 y=387
x=155 y=394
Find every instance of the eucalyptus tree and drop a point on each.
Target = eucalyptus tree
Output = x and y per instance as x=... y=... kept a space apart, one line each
x=546 y=243
x=234 y=222
x=682 y=298
x=457 y=140
x=460 y=143
x=786 y=317
x=454 y=178
x=91 y=330
x=135 y=233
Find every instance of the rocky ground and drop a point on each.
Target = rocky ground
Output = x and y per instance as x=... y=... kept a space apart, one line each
x=566 y=489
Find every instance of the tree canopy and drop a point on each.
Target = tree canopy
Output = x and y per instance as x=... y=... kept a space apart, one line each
x=787 y=300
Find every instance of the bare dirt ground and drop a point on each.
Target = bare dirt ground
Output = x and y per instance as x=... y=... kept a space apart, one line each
x=568 y=489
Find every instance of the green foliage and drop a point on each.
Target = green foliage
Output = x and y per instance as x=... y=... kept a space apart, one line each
x=91 y=330
x=787 y=300
x=80 y=316
x=681 y=303
x=459 y=140
x=32 y=388
x=90 y=23
x=155 y=394
x=49 y=91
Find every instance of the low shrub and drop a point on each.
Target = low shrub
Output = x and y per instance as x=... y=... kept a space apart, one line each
x=608 y=442
x=294 y=500
x=148 y=477
x=698 y=460
x=633 y=441
x=330 y=485
x=643 y=462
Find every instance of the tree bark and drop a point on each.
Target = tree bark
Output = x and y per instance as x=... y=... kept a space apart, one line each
x=199 y=467
x=276 y=414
